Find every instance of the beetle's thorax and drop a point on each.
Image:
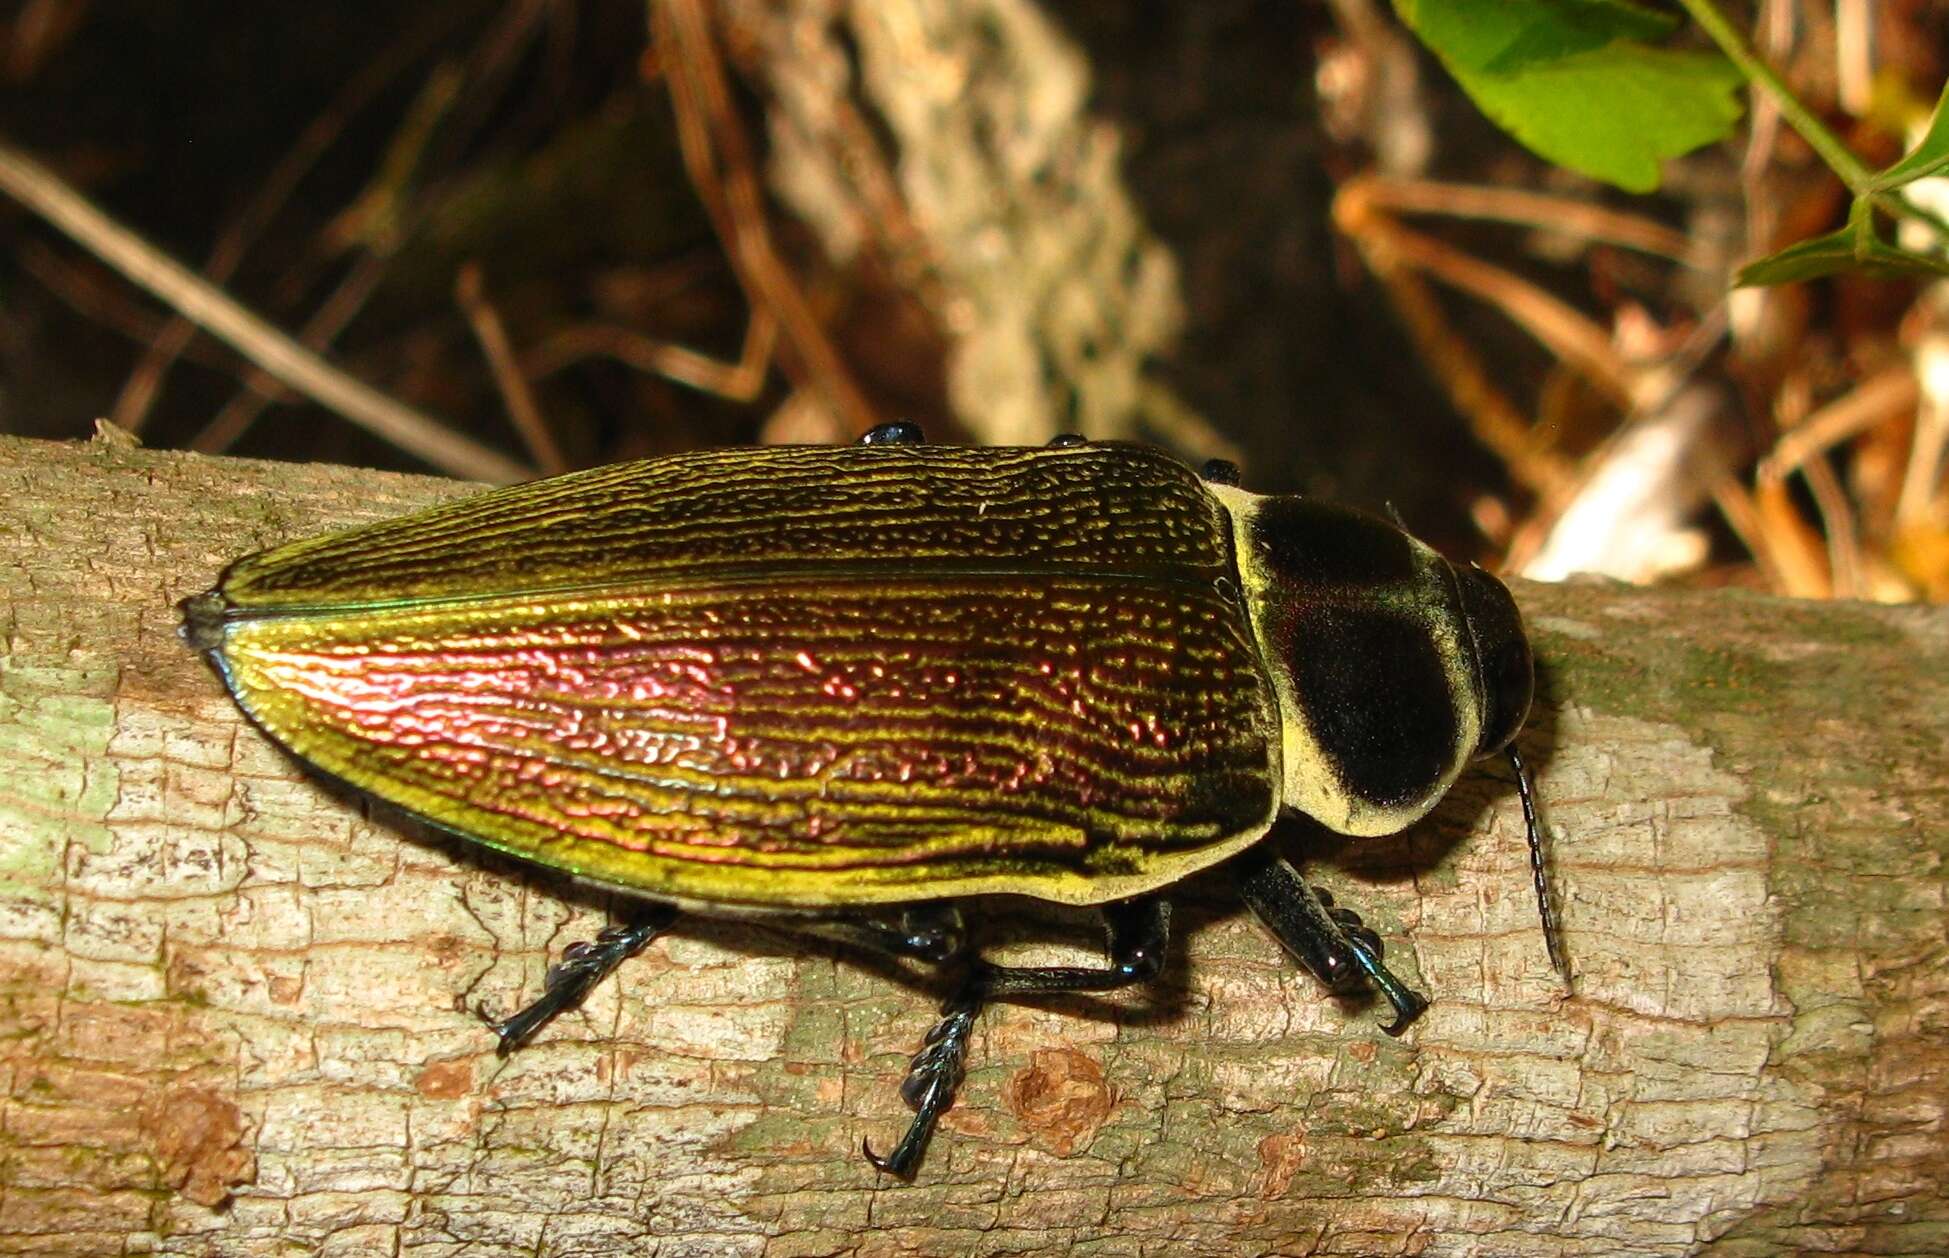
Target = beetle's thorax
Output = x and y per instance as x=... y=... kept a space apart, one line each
x=1362 y=632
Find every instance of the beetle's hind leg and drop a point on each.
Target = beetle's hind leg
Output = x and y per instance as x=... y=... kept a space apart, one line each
x=1140 y=935
x=583 y=965
x=926 y=932
x=1333 y=943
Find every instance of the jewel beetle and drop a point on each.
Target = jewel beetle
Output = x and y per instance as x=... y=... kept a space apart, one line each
x=848 y=688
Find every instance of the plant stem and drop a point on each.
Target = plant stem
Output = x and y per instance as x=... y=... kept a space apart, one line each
x=1839 y=158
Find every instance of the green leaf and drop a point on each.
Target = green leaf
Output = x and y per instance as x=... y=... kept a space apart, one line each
x=1503 y=38
x=1927 y=158
x=1848 y=250
x=1572 y=80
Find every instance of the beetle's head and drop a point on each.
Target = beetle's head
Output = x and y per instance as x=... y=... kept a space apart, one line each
x=1504 y=669
x=1392 y=666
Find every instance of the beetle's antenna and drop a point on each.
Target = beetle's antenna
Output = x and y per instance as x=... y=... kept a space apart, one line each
x=1526 y=793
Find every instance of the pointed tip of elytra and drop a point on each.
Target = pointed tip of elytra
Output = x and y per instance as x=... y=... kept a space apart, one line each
x=202 y=624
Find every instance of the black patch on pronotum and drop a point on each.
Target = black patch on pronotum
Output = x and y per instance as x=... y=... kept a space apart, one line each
x=1373 y=689
x=1313 y=545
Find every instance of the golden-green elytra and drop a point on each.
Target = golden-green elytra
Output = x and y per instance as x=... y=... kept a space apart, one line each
x=849 y=682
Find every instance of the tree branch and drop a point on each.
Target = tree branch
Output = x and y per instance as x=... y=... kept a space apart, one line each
x=228 y=1012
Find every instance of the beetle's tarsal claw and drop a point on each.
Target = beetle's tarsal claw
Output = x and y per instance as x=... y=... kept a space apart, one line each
x=900 y=1165
x=584 y=964
x=905 y=1157
x=500 y=1026
x=1408 y=1003
x=933 y=1077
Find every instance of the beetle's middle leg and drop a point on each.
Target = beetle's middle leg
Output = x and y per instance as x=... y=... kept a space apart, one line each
x=1331 y=942
x=931 y=931
x=1140 y=935
x=583 y=965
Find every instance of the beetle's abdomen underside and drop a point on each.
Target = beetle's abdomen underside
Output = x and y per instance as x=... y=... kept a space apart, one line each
x=1062 y=700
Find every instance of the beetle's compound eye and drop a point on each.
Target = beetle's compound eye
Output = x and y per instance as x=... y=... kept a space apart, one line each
x=1504 y=671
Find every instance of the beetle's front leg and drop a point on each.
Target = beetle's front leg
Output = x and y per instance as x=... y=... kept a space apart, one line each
x=583 y=965
x=1140 y=935
x=1330 y=942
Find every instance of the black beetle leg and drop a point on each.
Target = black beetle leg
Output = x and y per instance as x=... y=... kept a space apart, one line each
x=933 y=1077
x=583 y=965
x=1140 y=934
x=932 y=932
x=1408 y=1003
x=1333 y=944
x=1292 y=911
x=1367 y=952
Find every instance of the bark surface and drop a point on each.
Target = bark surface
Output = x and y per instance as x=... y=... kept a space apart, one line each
x=233 y=1001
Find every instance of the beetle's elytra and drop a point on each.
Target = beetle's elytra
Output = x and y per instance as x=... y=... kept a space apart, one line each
x=848 y=686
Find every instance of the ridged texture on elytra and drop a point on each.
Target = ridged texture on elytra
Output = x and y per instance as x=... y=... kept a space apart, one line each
x=766 y=511
x=790 y=676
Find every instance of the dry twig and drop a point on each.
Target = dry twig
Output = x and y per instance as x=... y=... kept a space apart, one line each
x=470 y=290
x=132 y=407
x=38 y=188
x=721 y=168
